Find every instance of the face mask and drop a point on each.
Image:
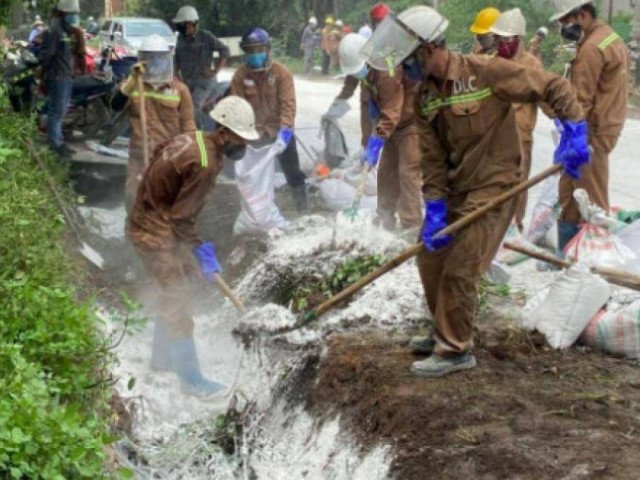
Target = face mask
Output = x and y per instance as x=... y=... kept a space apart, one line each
x=234 y=152
x=571 y=32
x=364 y=71
x=256 y=60
x=157 y=67
x=486 y=41
x=72 y=18
x=507 y=49
x=412 y=69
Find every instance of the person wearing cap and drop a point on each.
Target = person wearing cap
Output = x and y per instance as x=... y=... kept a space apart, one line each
x=600 y=75
x=535 y=44
x=38 y=28
x=481 y=28
x=57 y=61
x=194 y=58
x=167 y=103
x=510 y=30
x=268 y=86
x=470 y=154
x=92 y=25
x=308 y=43
x=162 y=227
x=389 y=133
x=325 y=44
x=377 y=13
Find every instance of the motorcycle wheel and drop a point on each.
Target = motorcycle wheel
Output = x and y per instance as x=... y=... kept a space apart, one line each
x=85 y=122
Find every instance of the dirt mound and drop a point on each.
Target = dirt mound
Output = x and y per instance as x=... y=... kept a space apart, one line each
x=525 y=412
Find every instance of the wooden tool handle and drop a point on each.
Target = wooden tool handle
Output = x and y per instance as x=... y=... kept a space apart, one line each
x=415 y=249
x=231 y=295
x=143 y=121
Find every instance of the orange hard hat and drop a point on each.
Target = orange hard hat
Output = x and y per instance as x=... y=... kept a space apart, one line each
x=379 y=11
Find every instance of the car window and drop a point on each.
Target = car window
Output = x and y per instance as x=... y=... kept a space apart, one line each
x=105 y=26
x=117 y=27
x=143 y=29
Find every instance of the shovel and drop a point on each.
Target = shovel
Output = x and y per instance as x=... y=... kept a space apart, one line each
x=229 y=293
x=87 y=252
x=143 y=121
x=352 y=211
x=417 y=248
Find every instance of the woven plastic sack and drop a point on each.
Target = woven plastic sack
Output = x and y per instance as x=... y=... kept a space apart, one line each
x=595 y=245
x=615 y=331
x=545 y=211
x=573 y=299
x=255 y=174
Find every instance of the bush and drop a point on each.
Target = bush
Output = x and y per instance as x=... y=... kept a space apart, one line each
x=53 y=411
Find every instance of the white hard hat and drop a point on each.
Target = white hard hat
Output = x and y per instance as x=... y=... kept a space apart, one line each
x=351 y=60
x=543 y=31
x=395 y=38
x=154 y=43
x=339 y=23
x=565 y=7
x=186 y=13
x=69 y=6
x=313 y=20
x=510 y=24
x=37 y=18
x=236 y=114
x=90 y=18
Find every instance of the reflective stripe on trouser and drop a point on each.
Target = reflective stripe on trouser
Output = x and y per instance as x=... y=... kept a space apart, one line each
x=594 y=178
x=174 y=273
x=400 y=177
x=450 y=276
x=525 y=168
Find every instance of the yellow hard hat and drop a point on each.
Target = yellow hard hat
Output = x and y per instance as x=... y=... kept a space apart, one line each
x=484 y=20
x=329 y=20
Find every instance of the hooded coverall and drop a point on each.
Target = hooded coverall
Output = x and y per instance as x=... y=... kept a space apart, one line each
x=470 y=154
x=526 y=117
x=169 y=113
x=399 y=173
x=326 y=50
x=162 y=222
x=600 y=76
x=271 y=93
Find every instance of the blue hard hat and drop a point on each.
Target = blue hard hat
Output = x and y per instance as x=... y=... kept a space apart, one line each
x=255 y=36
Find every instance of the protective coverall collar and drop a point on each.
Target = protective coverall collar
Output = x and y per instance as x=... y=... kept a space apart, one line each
x=586 y=33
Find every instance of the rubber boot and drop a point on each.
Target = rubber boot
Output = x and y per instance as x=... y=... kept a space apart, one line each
x=160 y=357
x=566 y=231
x=437 y=366
x=185 y=362
x=300 y=197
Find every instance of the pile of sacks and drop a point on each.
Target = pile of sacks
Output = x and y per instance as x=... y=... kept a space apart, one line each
x=577 y=305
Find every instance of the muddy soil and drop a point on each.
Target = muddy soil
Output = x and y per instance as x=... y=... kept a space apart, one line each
x=526 y=411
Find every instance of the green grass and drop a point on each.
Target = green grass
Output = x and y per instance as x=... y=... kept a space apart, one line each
x=53 y=360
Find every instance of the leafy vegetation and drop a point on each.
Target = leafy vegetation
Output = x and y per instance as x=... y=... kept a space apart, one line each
x=309 y=292
x=53 y=360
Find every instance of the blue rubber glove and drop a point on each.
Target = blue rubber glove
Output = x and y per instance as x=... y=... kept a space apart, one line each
x=372 y=150
x=435 y=220
x=285 y=134
x=207 y=259
x=374 y=110
x=573 y=150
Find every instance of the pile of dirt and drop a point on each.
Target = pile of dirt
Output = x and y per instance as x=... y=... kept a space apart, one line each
x=525 y=412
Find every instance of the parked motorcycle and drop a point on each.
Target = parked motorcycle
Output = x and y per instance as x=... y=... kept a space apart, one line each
x=18 y=72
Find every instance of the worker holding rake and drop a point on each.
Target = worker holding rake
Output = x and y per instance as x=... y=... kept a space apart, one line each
x=470 y=153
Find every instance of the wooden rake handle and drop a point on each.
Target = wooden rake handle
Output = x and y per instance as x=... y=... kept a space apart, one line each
x=229 y=293
x=415 y=249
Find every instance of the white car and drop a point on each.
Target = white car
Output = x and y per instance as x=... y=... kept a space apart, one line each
x=128 y=32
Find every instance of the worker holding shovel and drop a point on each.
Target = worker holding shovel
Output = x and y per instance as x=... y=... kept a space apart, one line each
x=470 y=154
x=162 y=226
x=389 y=133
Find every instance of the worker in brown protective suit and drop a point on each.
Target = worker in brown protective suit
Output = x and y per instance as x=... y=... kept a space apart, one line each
x=268 y=86
x=535 y=44
x=168 y=107
x=162 y=226
x=600 y=75
x=510 y=29
x=481 y=28
x=387 y=121
x=470 y=153
x=325 y=35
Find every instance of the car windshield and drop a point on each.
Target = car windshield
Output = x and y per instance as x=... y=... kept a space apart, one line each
x=143 y=29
